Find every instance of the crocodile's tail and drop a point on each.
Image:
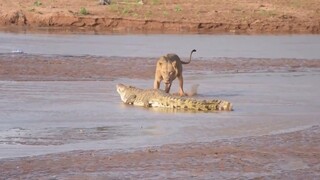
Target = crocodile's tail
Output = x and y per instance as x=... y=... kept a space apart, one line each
x=204 y=105
x=220 y=105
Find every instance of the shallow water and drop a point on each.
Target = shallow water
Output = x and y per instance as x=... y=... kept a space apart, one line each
x=208 y=46
x=39 y=117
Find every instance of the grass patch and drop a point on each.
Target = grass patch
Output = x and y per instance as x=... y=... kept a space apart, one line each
x=296 y=3
x=135 y=15
x=114 y=7
x=37 y=3
x=123 y=9
x=126 y=10
x=148 y=14
x=155 y=2
x=177 y=8
x=267 y=13
x=83 y=11
x=165 y=14
x=31 y=10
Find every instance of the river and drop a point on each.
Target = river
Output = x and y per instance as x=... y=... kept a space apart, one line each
x=40 y=117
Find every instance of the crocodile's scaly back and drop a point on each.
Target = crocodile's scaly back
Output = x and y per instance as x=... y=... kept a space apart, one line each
x=158 y=98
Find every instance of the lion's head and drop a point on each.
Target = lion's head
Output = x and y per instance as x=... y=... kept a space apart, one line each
x=168 y=70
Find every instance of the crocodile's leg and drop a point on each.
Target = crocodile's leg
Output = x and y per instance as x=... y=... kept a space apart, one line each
x=146 y=104
x=131 y=99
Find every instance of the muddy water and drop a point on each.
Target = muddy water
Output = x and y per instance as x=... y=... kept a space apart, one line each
x=39 y=117
x=285 y=46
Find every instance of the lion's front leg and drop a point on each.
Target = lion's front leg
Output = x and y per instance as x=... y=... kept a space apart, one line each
x=181 y=92
x=167 y=88
x=156 y=84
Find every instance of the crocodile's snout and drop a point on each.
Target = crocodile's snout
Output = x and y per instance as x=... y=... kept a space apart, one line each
x=120 y=88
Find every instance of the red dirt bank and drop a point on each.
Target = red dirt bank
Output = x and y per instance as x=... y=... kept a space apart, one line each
x=164 y=16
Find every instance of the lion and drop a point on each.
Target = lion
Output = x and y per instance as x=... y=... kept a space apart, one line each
x=168 y=68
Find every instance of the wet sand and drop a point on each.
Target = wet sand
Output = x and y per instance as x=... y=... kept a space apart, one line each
x=21 y=67
x=285 y=156
x=62 y=111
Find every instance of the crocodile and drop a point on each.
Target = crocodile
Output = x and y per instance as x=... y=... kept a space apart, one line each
x=159 y=98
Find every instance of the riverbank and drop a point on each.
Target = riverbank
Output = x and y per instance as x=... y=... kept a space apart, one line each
x=162 y=16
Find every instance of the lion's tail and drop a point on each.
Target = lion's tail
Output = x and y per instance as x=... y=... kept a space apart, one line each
x=183 y=62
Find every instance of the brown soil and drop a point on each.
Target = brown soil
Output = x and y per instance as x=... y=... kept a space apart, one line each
x=286 y=156
x=163 y=16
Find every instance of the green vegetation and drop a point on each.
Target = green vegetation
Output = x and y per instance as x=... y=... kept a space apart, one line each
x=148 y=14
x=123 y=9
x=165 y=13
x=155 y=2
x=37 y=3
x=296 y=3
x=31 y=10
x=135 y=15
x=84 y=11
x=132 y=8
x=267 y=13
x=114 y=7
x=126 y=10
x=177 y=8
